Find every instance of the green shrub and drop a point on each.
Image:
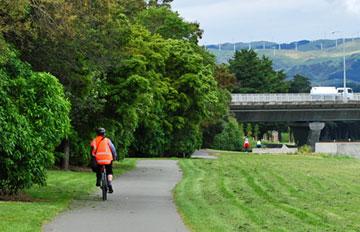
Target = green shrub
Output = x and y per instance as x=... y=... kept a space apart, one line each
x=33 y=120
x=231 y=138
x=305 y=150
x=284 y=137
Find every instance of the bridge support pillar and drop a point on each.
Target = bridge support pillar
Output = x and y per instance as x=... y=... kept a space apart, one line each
x=314 y=133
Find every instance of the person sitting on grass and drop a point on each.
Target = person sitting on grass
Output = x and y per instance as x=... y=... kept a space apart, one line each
x=258 y=144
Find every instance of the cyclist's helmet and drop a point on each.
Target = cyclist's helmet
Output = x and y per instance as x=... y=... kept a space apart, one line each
x=100 y=131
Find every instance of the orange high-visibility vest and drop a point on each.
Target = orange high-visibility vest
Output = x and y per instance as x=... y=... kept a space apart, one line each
x=101 y=150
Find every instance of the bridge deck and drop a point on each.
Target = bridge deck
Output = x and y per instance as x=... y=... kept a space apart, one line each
x=293 y=108
x=288 y=98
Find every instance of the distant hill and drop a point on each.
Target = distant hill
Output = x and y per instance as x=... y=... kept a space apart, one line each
x=321 y=60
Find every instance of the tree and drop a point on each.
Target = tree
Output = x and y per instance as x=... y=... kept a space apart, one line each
x=185 y=97
x=249 y=131
x=34 y=117
x=132 y=8
x=256 y=75
x=224 y=78
x=197 y=97
x=299 y=84
x=256 y=131
x=169 y=24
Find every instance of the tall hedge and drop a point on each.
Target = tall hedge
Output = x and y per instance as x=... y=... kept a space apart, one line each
x=33 y=119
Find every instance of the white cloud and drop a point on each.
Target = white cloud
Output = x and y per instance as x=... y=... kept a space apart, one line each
x=280 y=20
x=353 y=6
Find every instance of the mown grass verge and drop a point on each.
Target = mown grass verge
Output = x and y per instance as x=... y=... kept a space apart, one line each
x=241 y=192
x=46 y=202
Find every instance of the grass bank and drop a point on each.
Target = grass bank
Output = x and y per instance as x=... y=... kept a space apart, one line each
x=241 y=192
x=46 y=202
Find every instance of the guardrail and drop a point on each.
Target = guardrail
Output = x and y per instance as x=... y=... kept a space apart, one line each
x=286 y=97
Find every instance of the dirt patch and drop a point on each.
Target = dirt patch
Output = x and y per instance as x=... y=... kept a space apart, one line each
x=21 y=197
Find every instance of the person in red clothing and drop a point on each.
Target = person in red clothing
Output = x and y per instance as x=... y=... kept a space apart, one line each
x=103 y=152
x=246 y=145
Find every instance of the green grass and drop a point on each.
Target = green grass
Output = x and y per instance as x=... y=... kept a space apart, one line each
x=62 y=188
x=270 y=193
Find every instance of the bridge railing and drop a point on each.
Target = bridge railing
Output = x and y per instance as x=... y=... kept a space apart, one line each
x=356 y=96
x=285 y=97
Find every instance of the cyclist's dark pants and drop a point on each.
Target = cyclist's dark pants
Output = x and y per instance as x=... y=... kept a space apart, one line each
x=97 y=169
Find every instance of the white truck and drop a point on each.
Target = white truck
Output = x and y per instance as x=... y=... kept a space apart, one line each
x=331 y=93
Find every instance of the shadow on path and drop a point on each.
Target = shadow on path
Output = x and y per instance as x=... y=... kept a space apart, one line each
x=203 y=154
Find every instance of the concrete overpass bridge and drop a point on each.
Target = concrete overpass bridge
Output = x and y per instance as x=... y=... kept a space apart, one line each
x=306 y=115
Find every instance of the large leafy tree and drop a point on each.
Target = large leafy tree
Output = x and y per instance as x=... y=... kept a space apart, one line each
x=256 y=75
x=183 y=96
x=195 y=95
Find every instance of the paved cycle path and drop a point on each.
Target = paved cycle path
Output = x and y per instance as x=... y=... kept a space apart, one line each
x=142 y=201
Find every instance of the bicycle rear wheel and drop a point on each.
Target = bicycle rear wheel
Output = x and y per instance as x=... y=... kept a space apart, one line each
x=104 y=186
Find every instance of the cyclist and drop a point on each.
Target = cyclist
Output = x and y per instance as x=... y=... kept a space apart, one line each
x=103 y=152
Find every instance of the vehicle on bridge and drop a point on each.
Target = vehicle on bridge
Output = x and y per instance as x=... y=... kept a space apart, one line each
x=331 y=93
x=348 y=91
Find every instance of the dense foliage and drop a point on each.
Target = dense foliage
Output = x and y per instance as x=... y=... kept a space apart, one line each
x=224 y=77
x=231 y=138
x=133 y=67
x=256 y=75
x=163 y=21
x=33 y=120
x=300 y=84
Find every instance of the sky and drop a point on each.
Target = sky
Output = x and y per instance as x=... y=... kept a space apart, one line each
x=272 y=20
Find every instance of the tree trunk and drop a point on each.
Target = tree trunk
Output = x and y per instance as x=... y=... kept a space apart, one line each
x=65 y=161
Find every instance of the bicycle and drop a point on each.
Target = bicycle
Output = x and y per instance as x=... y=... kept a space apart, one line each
x=104 y=182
